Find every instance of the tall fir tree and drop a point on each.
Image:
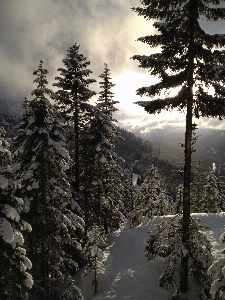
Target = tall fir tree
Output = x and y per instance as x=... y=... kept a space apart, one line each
x=108 y=174
x=41 y=161
x=73 y=96
x=189 y=62
x=93 y=250
x=197 y=187
x=14 y=279
x=129 y=190
x=166 y=242
x=217 y=274
x=152 y=199
x=211 y=194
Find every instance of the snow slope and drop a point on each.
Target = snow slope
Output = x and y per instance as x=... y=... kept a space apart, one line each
x=127 y=273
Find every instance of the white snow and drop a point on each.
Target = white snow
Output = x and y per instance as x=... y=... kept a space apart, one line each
x=27 y=263
x=28 y=281
x=26 y=226
x=98 y=148
x=10 y=212
x=6 y=231
x=128 y=275
x=3 y=182
x=17 y=239
x=135 y=178
x=103 y=159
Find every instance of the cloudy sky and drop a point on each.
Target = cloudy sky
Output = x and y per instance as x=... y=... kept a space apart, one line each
x=106 y=30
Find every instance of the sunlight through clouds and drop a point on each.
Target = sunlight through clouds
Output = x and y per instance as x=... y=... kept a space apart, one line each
x=107 y=32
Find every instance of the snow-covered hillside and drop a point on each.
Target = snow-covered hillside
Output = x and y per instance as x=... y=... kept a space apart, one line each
x=127 y=273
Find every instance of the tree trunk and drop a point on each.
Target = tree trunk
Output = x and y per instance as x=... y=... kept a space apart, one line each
x=188 y=150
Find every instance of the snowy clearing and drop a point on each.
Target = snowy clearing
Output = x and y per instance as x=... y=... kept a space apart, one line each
x=127 y=273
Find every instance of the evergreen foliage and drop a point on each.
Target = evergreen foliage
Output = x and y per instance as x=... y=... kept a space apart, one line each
x=129 y=194
x=72 y=97
x=141 y=154
x=108 y=174
x=41 y=161
x=14 y=279
x=211 y=197
x=166 y=242
x=207 y=191
x=217 y=274
x=151 y=200
x=197 y=189
x=93 y=251
x=189 y=62
x=178 y=198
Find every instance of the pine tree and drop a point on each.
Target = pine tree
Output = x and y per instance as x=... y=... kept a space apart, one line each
x=152 y=199
x=14 y=279
x=166 y=242
x=93 y=250
x=107 y=172
x=41 y=162
x=73 y=96
x=197 y=187
x=216 y=272
x=187 y=61
x=179 y=197
x=129 y=190
x=211 y=196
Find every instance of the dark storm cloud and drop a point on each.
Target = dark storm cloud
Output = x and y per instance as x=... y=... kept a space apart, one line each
x=45 y=29
x=106 y=30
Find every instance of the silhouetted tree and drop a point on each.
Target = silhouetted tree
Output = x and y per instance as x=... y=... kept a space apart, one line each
x=188 y=62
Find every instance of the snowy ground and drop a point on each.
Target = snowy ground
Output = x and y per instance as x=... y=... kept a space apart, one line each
x=128 y=274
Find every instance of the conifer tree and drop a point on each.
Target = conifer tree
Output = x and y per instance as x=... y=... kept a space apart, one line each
x=179 y=197
x=188 y=62
x=107 y=172
x=14 y=279
x=166 y=242
x=93 y=250
x=73 y=96
x=129 y=190
x=151 y=200
x=41 y=162
x=197 y=188
x=217 y=274
x=211 y=196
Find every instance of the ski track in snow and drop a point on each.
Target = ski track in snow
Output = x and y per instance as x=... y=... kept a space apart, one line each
x=129 y=276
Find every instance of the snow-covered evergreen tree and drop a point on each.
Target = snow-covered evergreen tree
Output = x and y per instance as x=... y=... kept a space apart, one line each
x=14 y=278
x=107 y=172
x=211 y=196
x=197 y=189
x=41 y=161
x=93 y=251
x=152 y=199
x=217 y=274
x=166 y=242
x=178 y=199
x=73 y=96
x=190 y=63
x=129 y=190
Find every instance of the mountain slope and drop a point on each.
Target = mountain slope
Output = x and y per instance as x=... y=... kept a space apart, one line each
x=210 y=146
x=142 y=153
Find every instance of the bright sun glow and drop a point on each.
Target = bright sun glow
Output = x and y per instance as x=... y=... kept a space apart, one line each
x=133 y=115
x=125 y=90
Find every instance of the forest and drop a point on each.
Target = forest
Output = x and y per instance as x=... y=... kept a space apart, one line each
x=70 y=178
